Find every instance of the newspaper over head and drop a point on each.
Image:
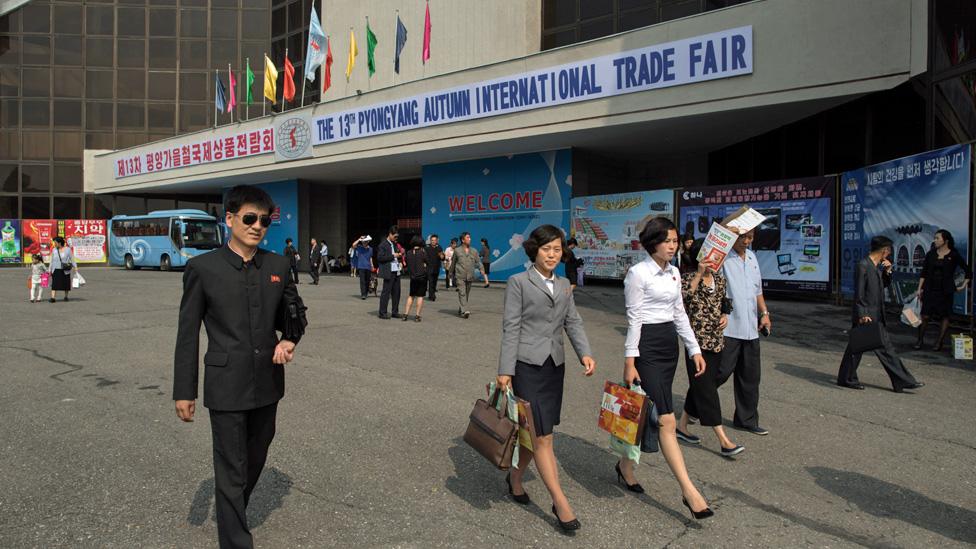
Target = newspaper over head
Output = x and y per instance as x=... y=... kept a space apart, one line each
x=720 y=238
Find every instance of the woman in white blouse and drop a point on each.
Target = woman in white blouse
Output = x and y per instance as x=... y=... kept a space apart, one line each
x=656 y=318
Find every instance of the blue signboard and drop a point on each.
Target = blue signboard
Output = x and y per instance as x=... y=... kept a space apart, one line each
x=792 y=245
x=906 y=200
x=501 y=199
x=608 y=226
x=284 y=219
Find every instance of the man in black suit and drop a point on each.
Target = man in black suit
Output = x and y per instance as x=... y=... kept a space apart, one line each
x=315 y=260
x=872 y=277
x=291 y=252
x=390 y=267
x=237 y=291
x=435 y=255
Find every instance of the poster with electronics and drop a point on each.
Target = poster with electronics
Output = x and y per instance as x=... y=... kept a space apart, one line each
x=907 y=200
x=607 y=228
x=792 y=244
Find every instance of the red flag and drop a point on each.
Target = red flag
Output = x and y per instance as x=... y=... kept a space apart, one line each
x=327 y=81
x=289 y=89
x=426 y=54
x=233 y=90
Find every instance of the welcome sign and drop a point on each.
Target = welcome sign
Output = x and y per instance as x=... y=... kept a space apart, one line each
x=722 y=54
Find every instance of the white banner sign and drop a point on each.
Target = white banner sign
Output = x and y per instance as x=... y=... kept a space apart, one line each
x=718 y=55
x=239 y=145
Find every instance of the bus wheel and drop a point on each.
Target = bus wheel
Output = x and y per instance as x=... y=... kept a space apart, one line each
x=164 y=264
x=129 y=263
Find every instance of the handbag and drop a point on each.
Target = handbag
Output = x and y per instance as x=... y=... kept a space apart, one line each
x=865 y=337
x=491 y=433
x=649 y=440
x=623 y=412
x=45 y=280
x=726 y=306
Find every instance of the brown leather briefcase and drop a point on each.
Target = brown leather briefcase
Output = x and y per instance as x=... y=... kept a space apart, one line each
x=491 y=432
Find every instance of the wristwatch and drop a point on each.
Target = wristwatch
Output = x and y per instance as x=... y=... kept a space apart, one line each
x=764 y=313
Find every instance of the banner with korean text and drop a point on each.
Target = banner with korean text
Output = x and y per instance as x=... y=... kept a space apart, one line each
x=907 y=200
x=205 y=151
x=87 y=238
x=792 y=245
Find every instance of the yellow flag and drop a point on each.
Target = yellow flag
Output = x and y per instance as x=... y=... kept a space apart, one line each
x=270 y=80
x=353 y=52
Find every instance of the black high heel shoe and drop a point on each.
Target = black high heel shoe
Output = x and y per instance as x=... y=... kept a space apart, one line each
x=566 y=526
x=698 y=514
x=635 y=487
x=519 y=498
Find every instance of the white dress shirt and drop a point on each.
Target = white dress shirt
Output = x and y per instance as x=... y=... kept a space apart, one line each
x=653 y=296
x=744 y=286
x=550 y=282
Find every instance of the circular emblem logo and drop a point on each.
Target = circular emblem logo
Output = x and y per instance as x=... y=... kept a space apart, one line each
x=293 y=138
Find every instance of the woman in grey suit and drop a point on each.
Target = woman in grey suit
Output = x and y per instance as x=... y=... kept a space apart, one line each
x=539 y=306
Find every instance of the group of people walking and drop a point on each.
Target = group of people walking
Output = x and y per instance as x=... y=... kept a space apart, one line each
x=58 y=272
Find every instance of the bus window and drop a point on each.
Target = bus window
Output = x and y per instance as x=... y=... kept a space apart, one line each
x=175 y=234
x=202 y=234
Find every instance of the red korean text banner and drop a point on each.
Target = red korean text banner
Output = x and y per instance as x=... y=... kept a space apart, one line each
x=88 y=239
x=37 y=237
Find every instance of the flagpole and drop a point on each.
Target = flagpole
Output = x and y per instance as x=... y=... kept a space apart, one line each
x=246 y=103
x=369 y=77
x=283 y=68
x=264 y=98
x=231 y=90
x=396 y=35
x=216 y=77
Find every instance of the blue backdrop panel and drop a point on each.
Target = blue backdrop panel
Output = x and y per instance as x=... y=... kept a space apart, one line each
x=284 y=222
x=502 y=199
x=907 y=200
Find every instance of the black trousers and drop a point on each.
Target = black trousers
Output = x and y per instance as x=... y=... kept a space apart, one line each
x=313 y=271
x=364 y=282
x=702 y=400
x=240 y=448
x=899 y=375
x=293 y=269
x=391 y=290
x=741 y=357
x=432 y=285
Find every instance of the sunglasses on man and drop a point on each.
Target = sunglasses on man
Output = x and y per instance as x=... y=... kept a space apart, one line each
x=252 y=218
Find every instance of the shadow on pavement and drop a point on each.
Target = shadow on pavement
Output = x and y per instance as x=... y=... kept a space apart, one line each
x=268 y=495
x=807 y=373
x=885 y=500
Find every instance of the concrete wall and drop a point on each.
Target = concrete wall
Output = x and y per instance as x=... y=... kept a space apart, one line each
x=464 y=34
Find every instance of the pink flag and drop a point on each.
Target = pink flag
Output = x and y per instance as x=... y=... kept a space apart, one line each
x=233 y=90
x=426 y=54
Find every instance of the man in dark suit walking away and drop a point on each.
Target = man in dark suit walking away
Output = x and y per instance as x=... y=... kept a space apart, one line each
x=291 y=252
x=435 y=255
x=872 y=277
x=390 y=262
x=243 y=295
x=314 y=260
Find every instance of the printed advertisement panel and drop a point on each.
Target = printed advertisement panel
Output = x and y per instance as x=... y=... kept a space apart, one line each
x=501 y=199
x=10 y=245
x=907 y=200
x=37 y=236
x=284 y=218
x=88 y=239
x=607 y=228
x=792 y=245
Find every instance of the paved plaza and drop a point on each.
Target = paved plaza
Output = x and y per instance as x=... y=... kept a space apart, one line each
x=369 y=451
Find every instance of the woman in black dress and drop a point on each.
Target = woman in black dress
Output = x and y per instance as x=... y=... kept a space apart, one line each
x=938 y=281
x=60 y=268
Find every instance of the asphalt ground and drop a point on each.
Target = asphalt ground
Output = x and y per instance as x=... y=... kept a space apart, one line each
x=369 y=451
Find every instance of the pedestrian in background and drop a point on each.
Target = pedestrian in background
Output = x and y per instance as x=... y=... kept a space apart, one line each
x=325 y=258
x=449 y=280
x=656 y=318
x=314 y=260
x=686 y=262
x=417 y=269
x=435 y=255
x=740 y=356
x=352 y=261
x=292 y=254
x=572 y=264
x=363 y=261
x=538 y=308
x=464 y=264
x=938 y=279
x=390 y=262
x=62 y=264
x=872 y=276
x=703 y=292
x=485 y=254
x=37 y=270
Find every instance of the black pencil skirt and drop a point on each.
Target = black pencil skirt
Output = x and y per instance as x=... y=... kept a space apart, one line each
x=542 y=386
x=702 y=400
x=657 y=363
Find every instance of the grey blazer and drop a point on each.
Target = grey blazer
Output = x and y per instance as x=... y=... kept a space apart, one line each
x=534 y=320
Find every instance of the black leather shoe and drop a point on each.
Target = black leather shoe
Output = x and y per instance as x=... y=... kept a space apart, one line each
x=635 y=487
x=385 y=317
x=566 y=526
x=757 y=430
x=522 y=498
x=857 y=386
x=687 y=437
x=918 y=385
x=698 y=514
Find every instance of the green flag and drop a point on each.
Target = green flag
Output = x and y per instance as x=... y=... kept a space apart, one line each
x=250 y=82
x=370 y=48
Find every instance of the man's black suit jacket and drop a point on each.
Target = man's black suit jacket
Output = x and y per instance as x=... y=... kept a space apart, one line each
x=384 y=258
x=869 y=284
x=239 y=307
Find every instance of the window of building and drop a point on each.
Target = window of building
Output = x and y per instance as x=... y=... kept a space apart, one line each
x=67 y=51
x=9 y=146
x=9 y=50
x=67 y=114
x=955 y=22
x=37 y=50
x=8 y=207
x=222 y=53
x=68 y=179
x=132 y=22
x=37 y=17
x=68 y=82
x=194 y=116
x=100 y=52
x=162 y=86
x=98 y=84
x=131 y=52
x=100 y=141
x=131 y=84
x=162 y=116
x=193 y=54
x=37 y=82
x=223 y=24
x=9 y=81
x=193 y=86
x=131 y=116
x=67 y=19
x=35 y=207
x=67 y=208
x=124 y=140
x=36 y=114
x=68 y=145
x=162 y=22
x=193 y=23
x=100 y=20
x=162 y=53
x=9 y=177
x=35 y=178
x=9 y=113
x=36 y=145
x=99 y=206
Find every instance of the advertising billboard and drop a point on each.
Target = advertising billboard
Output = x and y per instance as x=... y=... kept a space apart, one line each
x=607 y=228
x=907 y=200
x=792 y=245
x=10 y=245
x=501 y=199
x=87 y=238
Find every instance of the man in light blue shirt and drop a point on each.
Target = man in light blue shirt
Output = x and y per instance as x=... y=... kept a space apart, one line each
x=749 y=315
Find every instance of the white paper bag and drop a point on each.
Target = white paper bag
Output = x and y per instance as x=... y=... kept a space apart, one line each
x=911 y=313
